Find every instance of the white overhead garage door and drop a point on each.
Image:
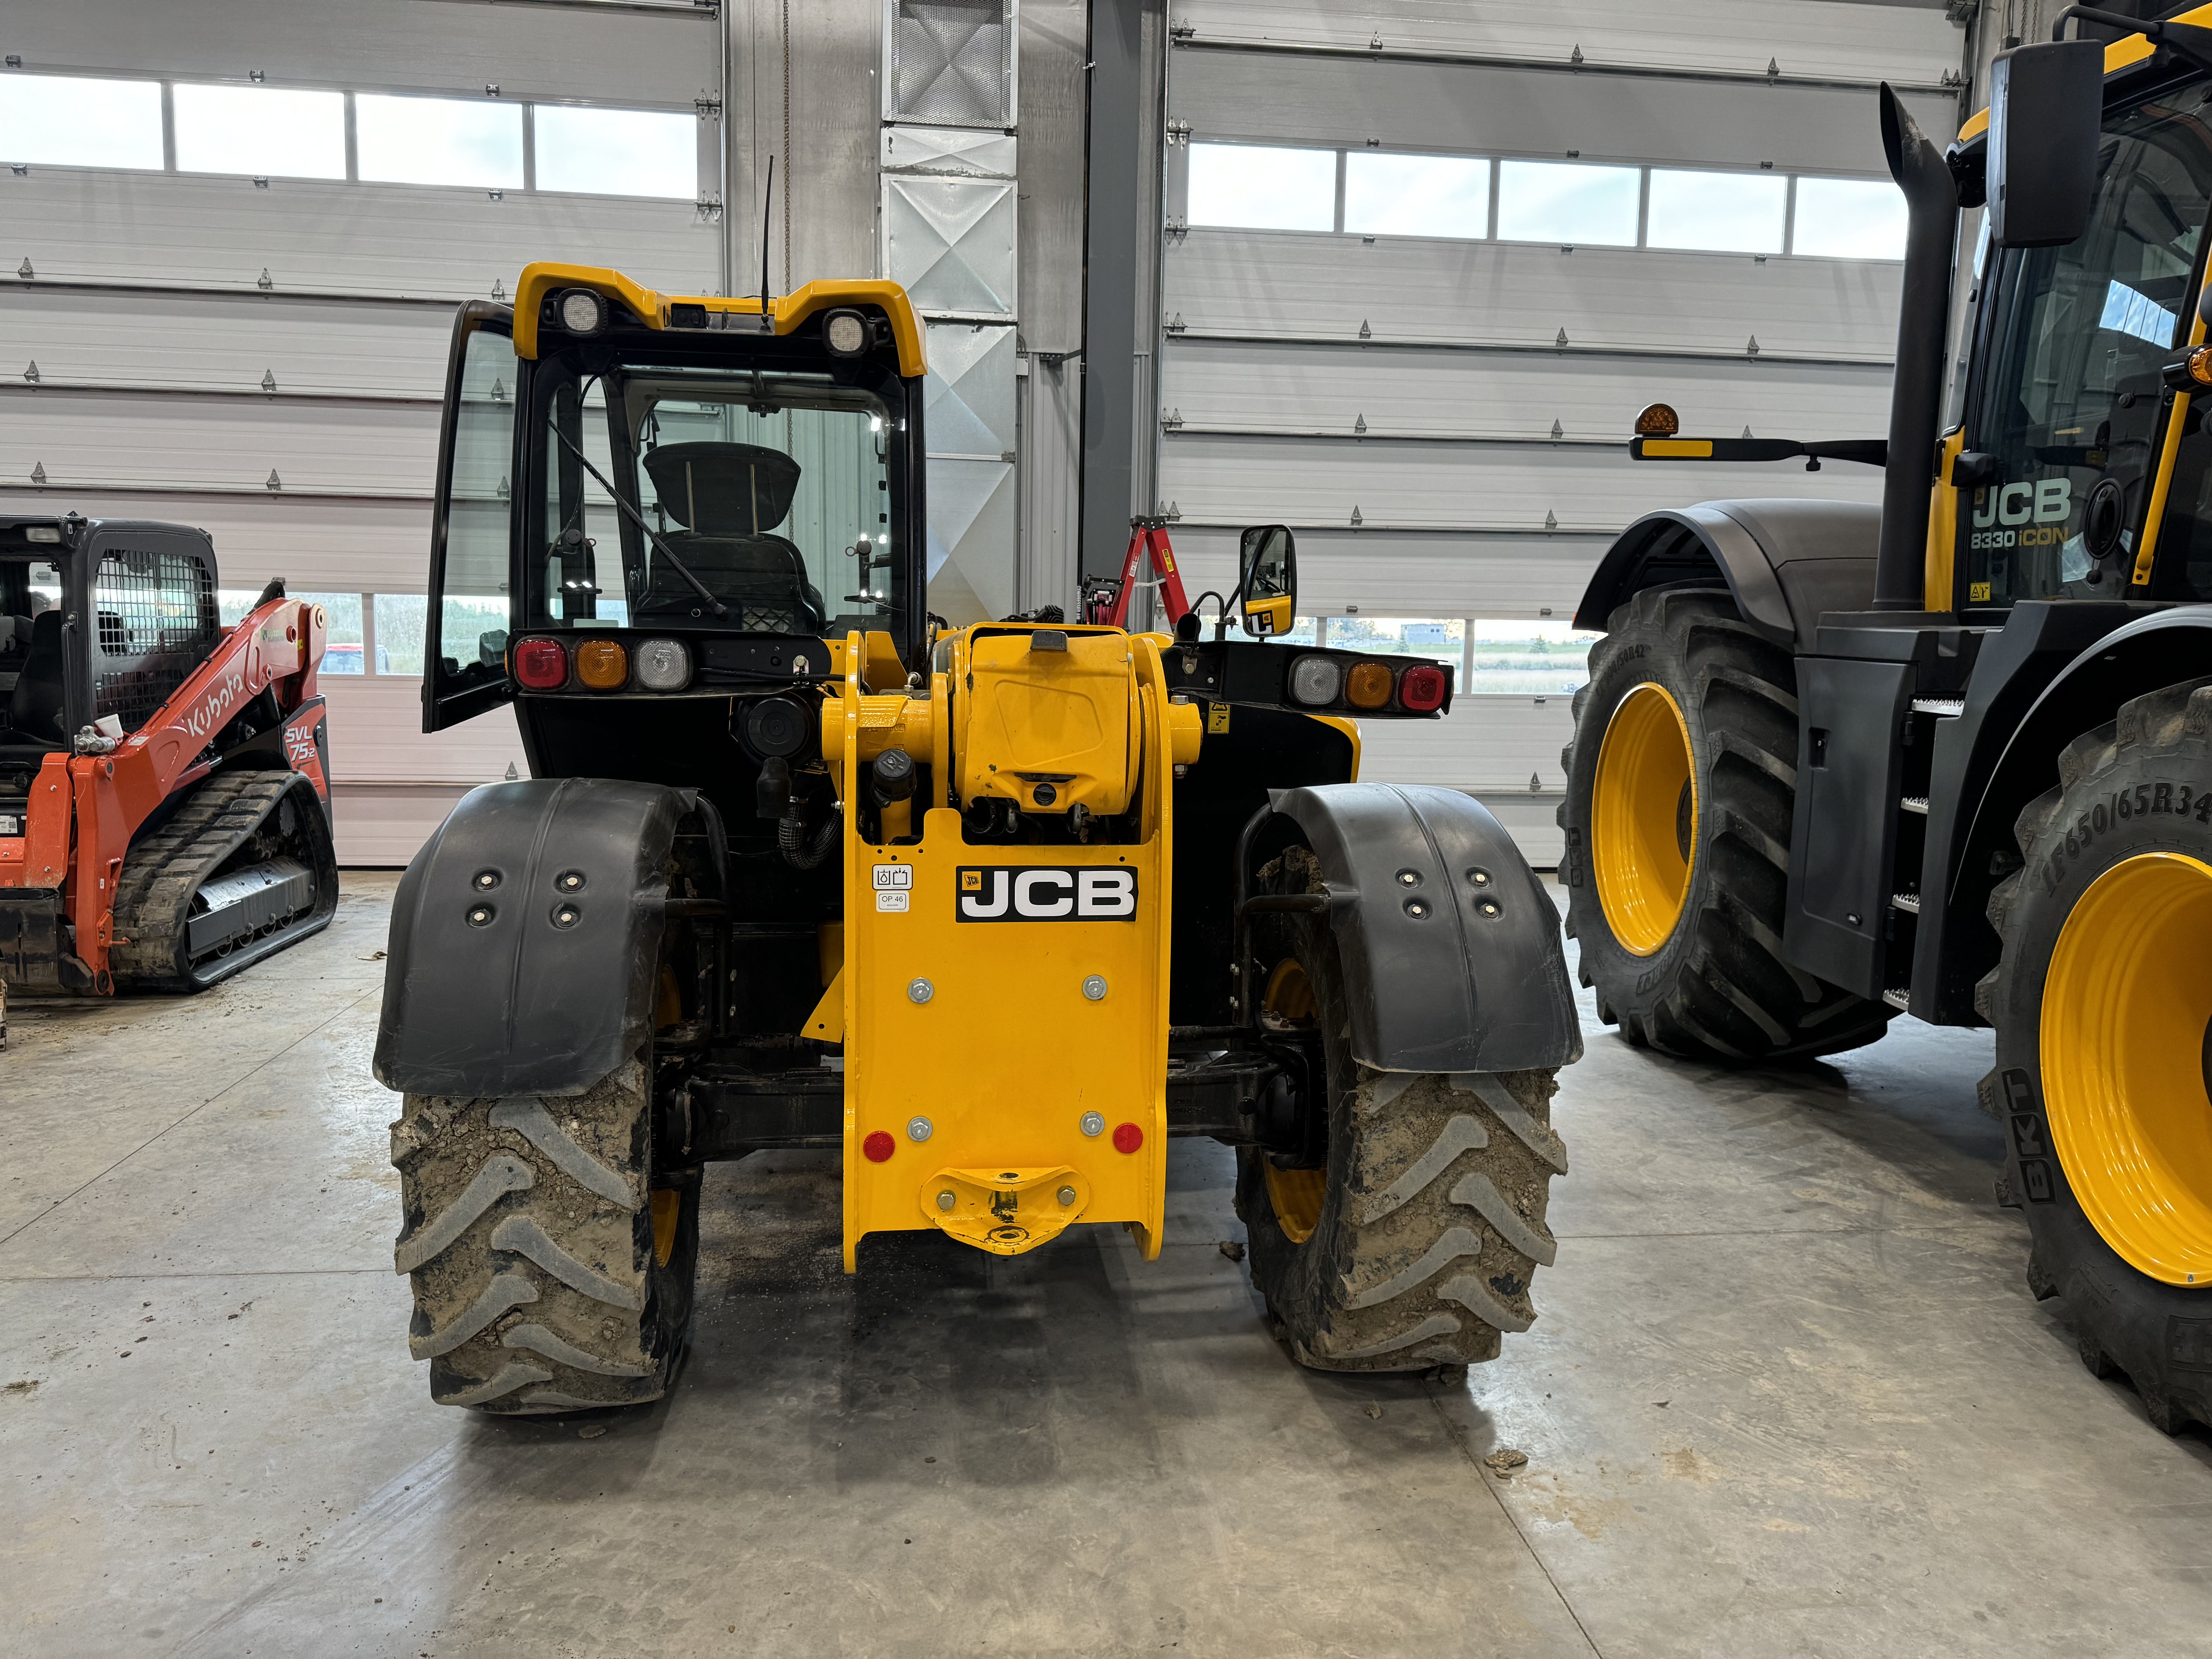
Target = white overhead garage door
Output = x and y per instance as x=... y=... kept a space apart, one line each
x=232 y=310
x=1425 y=263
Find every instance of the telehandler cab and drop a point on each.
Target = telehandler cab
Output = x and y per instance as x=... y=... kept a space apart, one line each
x=1955 y=757
x=993 y=912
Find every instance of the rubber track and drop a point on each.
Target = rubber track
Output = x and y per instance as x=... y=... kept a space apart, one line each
x=1719 y=988
x=162 y=872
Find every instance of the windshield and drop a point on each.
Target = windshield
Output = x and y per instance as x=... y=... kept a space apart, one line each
x=693 y=497
x=2070 y=397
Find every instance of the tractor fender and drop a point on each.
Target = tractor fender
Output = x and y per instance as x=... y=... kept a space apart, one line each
x=2146 y=654
x=488 y=989
x=1435 y=984
x=1785 y=562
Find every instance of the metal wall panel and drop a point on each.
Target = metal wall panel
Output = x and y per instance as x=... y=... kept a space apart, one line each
x=949 y=243
x=1055 y=75
x=382 y=238
x=1489 y=110
x=1529 y=574
x=226 y=342
x=951 y=62
x=1259 y=282
x=384 y=825
x=1816 y=38
x=93 y=441
x=377 y=736
x=1048 y=399
x=1393 y=483
x=614 y=55
x=959 y=151
x=968 y=401
x=1487 y=744
x=318 y=546
x=971 y=539
x=1266 y=386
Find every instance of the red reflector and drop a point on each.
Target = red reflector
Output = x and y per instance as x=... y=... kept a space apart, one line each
x=1421 y=687
x=1127 y=1137
x=541 y=664
x=878 y=1148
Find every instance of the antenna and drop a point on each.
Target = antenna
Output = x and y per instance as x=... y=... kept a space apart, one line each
x=768 y=321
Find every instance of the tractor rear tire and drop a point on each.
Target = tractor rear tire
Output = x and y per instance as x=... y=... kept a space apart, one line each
x=1700 y=973
x=552 y=1271
x=2102 y=998
x=1414 y=1243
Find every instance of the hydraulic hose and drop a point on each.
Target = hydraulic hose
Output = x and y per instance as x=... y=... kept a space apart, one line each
x=798 y=852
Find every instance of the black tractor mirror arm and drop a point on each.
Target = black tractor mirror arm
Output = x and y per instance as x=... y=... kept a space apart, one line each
x=2192 y=40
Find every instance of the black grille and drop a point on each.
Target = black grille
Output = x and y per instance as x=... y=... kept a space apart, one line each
x=158 y=621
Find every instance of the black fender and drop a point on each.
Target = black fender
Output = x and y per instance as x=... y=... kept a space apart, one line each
x=1786 y=561
x=516 y=1002
x=1436 y=982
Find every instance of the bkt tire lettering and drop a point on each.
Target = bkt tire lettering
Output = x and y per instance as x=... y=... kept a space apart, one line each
x=1046 y=893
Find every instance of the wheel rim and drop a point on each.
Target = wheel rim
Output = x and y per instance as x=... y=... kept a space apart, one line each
x=2127 y=1009
x=1642 y=841
x=1295 y=1195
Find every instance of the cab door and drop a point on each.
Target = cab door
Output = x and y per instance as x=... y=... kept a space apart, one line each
x=470 y=609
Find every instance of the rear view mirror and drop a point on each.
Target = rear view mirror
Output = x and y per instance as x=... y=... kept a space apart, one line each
x=1267 y=579
x=2046 y=103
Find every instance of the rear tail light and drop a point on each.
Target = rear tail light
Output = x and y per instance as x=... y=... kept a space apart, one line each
x=1315 y=680
x=663 y=665
x=1421 y=687
x=602 y=665
x=541 y=664
x=1368 y=685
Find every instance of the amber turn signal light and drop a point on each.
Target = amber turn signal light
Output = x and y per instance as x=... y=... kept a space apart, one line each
x=602 y=665
x=1368 y=685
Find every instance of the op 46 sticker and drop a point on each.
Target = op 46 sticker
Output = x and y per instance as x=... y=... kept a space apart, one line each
x=1046 y=893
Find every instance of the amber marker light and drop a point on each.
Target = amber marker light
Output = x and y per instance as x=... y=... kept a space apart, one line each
x=1368 y=685
x=602 y=665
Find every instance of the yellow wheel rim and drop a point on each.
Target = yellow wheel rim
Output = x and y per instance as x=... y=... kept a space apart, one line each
x=667 y=1210
x=1295 y=1195
x=2125 y=1008
x=1644 y=818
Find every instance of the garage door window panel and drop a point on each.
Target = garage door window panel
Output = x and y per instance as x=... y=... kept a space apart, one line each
x=272 y=132
x=1568 y=203
x=1849 y=219
x=1390 y=195
x=78 y=121
x=1525 y=658
x=616 y=152
x=1717 y=212
x=437 y=141
x=1257 y=187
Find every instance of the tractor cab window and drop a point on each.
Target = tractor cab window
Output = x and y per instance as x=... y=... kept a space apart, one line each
x=30 y=652
x=713 y=498
x=2070 y=399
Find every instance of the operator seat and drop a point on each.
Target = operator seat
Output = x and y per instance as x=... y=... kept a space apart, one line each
x=728 y=497
x=35 y=707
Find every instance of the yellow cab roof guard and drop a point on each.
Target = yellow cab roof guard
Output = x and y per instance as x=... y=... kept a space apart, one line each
x=655 y=310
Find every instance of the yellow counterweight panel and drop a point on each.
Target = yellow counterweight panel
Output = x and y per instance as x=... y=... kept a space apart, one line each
x=1063 y=719
x=995 y=996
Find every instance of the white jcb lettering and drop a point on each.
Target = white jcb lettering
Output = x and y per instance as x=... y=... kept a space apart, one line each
x=981 y=910
x=1027 y=902
x=1106 y=894
x=2054 y=499
x=2024 y=494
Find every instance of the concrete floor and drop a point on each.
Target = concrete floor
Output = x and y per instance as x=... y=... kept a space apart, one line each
x=1788 y=1395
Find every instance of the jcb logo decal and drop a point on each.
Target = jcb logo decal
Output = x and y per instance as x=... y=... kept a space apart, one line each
x=1046 y=893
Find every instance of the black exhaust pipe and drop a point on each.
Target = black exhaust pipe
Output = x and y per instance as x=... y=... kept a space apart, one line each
x=1923 y=319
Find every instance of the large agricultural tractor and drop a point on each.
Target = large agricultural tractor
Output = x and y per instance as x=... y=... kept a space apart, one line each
x=1954 y=759
x=992 y=912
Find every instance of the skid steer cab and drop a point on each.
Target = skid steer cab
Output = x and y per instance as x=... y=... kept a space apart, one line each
x=990 y=913
x=164 y=778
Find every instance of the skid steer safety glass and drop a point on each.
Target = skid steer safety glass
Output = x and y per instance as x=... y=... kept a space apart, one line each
x=707 y=497
x=2069 y=399
x=464 y=630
